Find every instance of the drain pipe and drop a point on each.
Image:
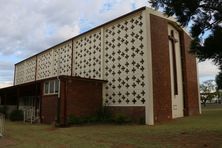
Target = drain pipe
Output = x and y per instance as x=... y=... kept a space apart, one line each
x=58 y=104
x=59 y=95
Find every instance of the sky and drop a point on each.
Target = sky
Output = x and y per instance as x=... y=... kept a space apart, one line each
x=28 y=27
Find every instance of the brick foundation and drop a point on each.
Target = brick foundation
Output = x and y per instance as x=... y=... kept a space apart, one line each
x=136 y=114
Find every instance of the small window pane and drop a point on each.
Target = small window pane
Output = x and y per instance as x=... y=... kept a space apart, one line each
x=56 y=86
x=46 y=87
x=51 y=84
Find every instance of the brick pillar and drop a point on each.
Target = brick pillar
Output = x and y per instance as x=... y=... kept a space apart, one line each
x=161 y=69
x=191 y=92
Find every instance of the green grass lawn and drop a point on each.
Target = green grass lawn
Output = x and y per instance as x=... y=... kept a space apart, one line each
x=197 y=131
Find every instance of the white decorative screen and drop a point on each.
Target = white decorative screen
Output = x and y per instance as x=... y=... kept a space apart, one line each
x=20 y=73
x=62 y=57
x=114 y=52
x=30 y=68
x=44 y=62
x=87 y=55
x=124 y=62
x=25 y=71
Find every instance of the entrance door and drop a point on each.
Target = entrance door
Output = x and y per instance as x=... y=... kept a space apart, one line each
x=176 y=72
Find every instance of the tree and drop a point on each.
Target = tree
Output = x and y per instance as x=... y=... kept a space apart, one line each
x=205 y=17
x=207 y=91
x=218 y=81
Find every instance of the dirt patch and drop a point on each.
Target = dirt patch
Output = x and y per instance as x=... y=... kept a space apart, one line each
x=51 y=129
x=122 y=145
x=116 y=145
x=6 y=141
x=191 y=140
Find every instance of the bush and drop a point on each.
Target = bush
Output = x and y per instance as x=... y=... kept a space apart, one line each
x=142 y=121
x=121 y=119
x=75 y=120
x=93 y=119
x=104 y=115
x=3 y=110
x=16 y=115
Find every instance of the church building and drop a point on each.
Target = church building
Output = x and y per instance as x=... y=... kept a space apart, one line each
x=137 y=65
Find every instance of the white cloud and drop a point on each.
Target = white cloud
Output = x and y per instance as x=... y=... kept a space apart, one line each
x=6 y=84
x=207 y=70
x=28 y=27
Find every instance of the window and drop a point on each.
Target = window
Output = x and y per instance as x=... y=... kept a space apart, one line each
x=51 y=87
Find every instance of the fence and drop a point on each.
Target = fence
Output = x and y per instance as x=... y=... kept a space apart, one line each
x=2 y=124
x=30 y=114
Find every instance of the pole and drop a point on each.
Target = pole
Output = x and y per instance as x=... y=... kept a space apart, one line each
x=58 y=97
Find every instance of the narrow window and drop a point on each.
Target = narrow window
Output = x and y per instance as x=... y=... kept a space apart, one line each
x=56 y=86
x=46 y=88
x=52 y=87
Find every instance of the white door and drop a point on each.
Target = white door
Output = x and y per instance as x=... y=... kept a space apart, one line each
x=176 y=72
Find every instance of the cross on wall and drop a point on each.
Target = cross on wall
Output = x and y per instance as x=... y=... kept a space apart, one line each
x=173 y=42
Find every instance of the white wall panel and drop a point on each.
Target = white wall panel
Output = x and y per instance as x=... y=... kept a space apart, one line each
x=87 y=55
x=62 y=57
x=124 y=62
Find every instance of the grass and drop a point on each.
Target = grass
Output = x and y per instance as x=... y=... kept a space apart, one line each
x=196 y=131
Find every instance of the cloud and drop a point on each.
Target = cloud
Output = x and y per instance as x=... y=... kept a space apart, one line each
x=32 y=26
x=28 y=27
x=6 y=84
x=207 y=69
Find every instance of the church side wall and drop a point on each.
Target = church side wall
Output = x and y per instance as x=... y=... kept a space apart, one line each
x=190 y=78
x=161 y=69
x=115 y=52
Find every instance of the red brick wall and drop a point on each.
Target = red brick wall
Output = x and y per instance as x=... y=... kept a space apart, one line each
x=135 y=113
x=161 y=69
x=48 y=108
x=190 y=78
x=83 y=98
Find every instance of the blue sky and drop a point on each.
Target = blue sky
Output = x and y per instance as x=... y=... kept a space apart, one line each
x=28 y=27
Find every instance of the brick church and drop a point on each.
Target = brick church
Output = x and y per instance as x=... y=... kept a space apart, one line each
x=137 y=65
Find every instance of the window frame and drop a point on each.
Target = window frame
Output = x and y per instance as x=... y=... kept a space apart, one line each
x=51 y=87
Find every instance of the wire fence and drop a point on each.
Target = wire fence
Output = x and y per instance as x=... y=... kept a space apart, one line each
x=2 y=124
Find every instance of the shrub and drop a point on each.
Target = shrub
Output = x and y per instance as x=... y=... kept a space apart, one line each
x=75 y=120
x=104 y=115
x=16 y=115
x=92 y=119
x=3 y=110
x=121 y=119
x=142 y=121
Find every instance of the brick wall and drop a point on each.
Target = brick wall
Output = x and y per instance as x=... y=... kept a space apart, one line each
x=161 y=69
x=48 y=108
x=190 y=78
x=136 y=114
x=83 y=98
x=79 y=97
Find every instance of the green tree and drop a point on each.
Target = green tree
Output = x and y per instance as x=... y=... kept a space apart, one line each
x=205 y=17
x=218 y=81
x=207 y=91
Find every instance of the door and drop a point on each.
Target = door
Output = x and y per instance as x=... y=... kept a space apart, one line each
x=175 y=72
